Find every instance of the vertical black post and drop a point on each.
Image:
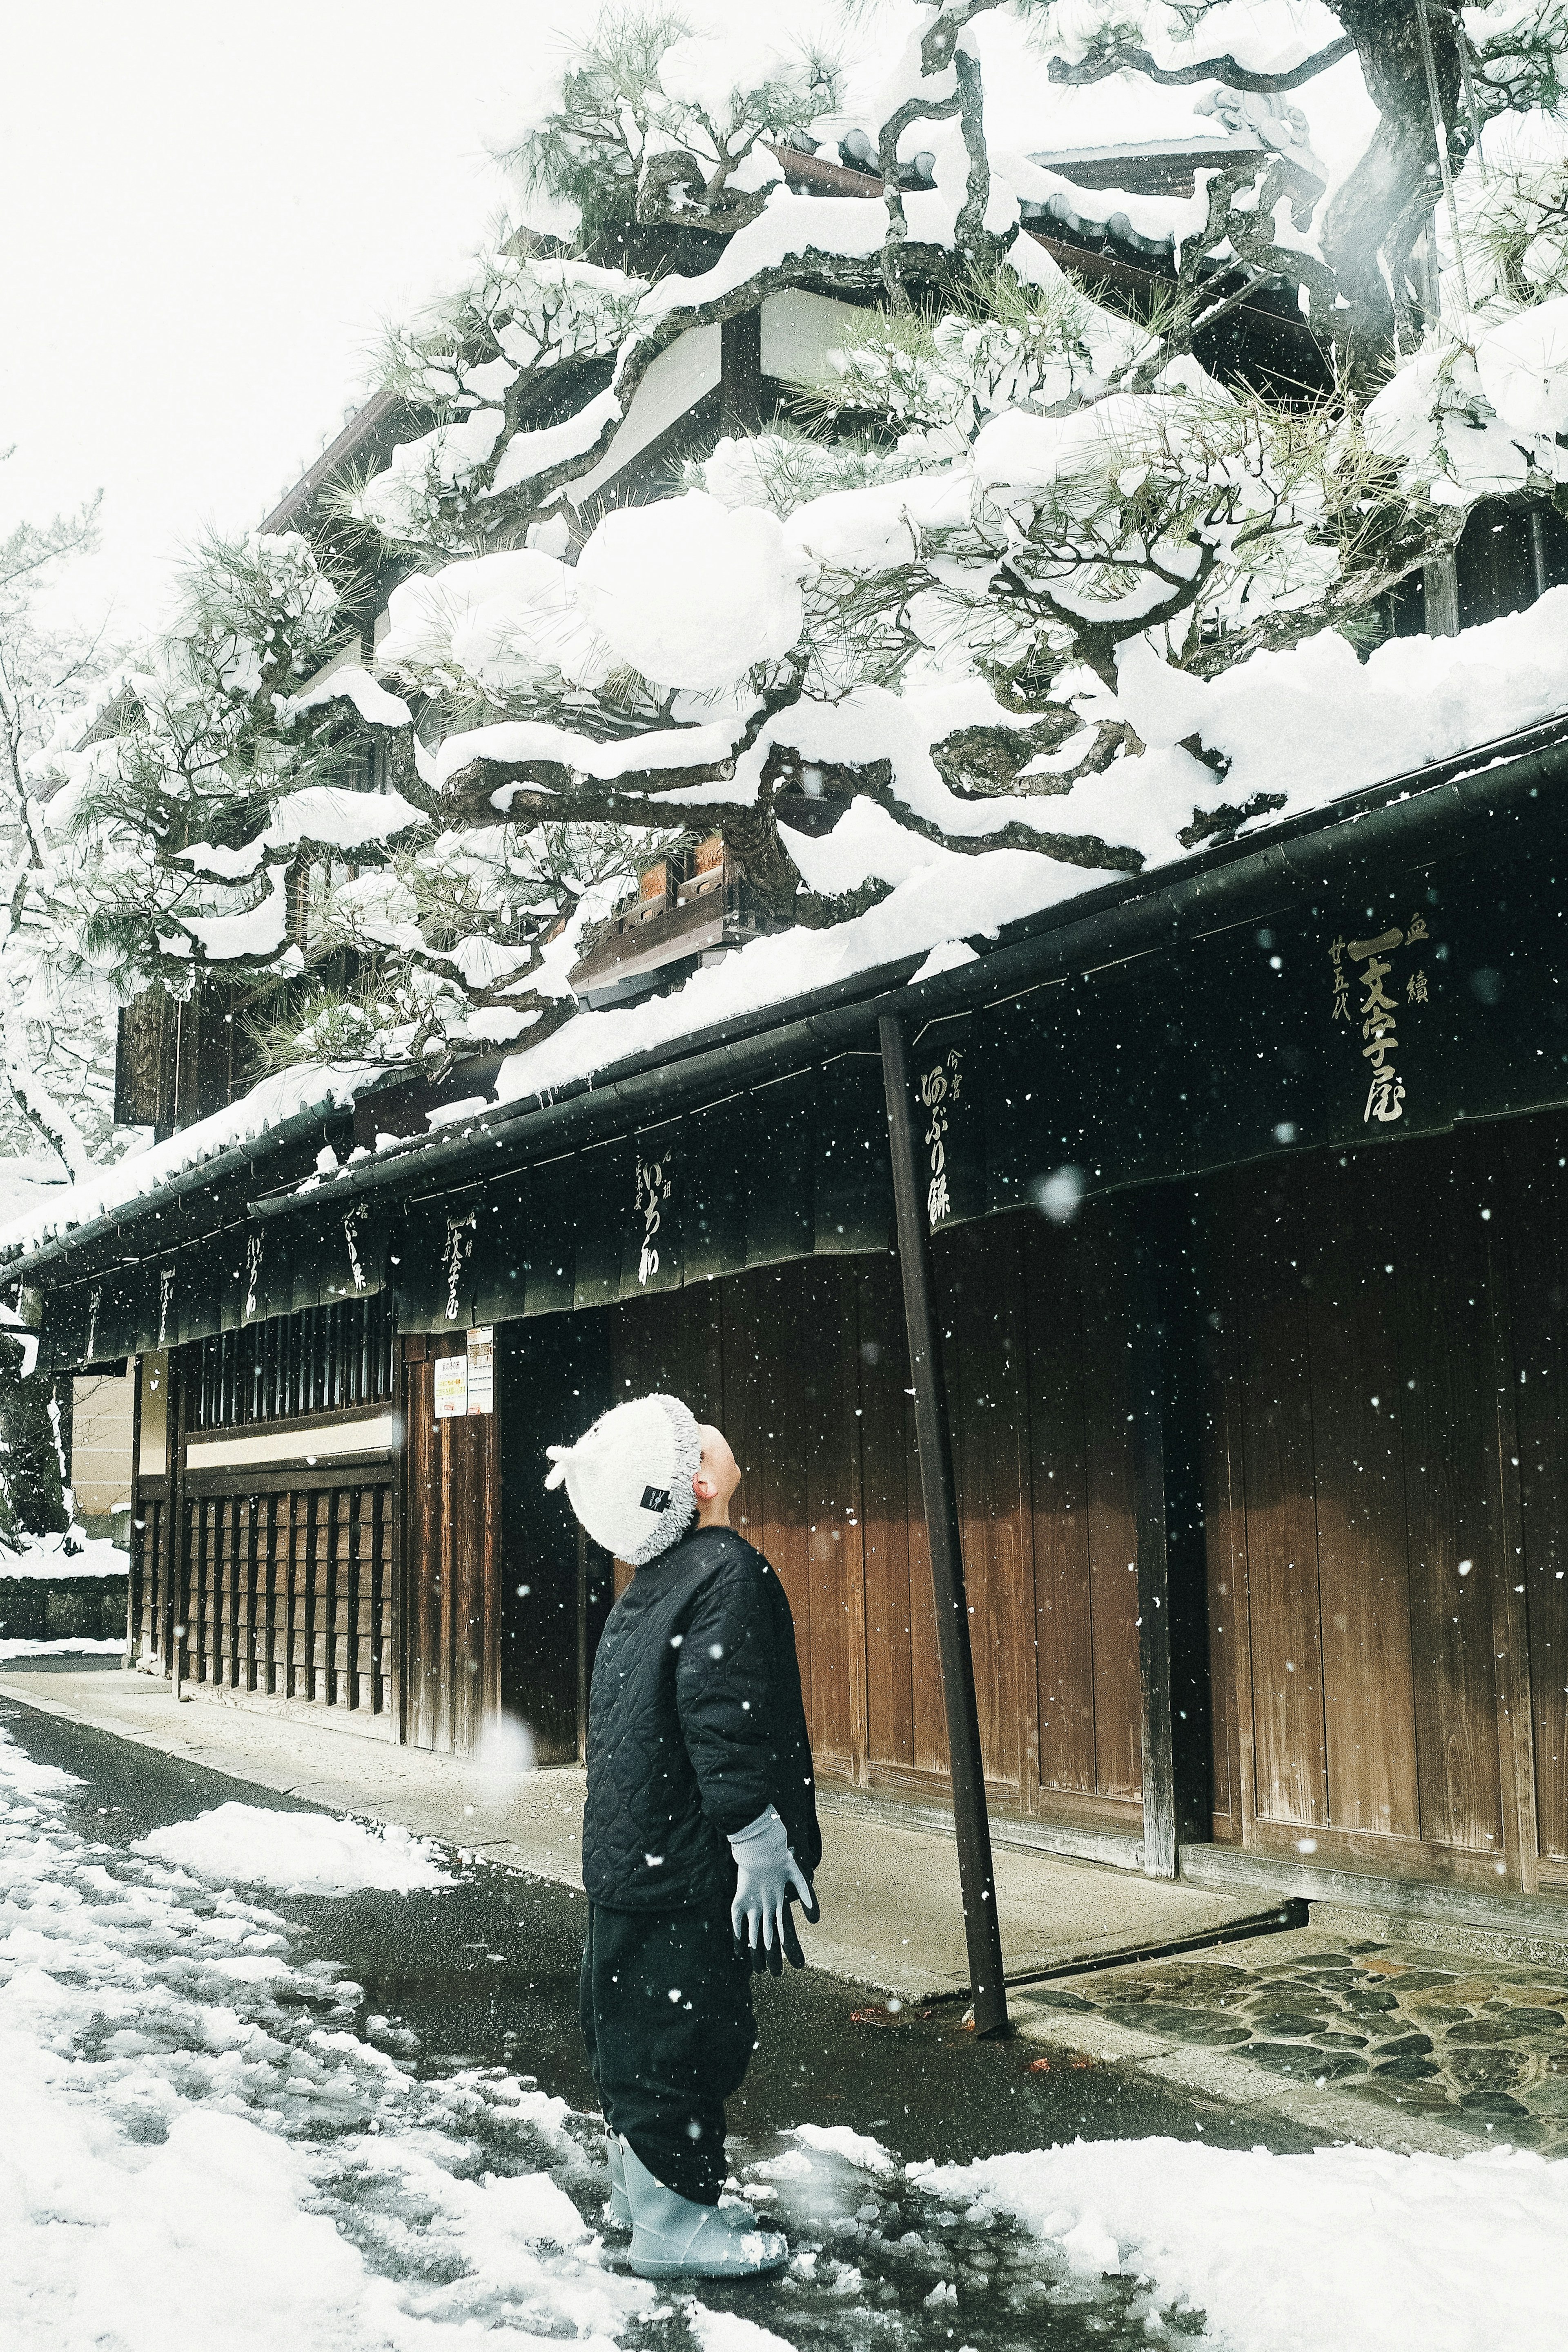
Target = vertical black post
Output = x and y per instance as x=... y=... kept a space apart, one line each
x=177 y=1543
x=1164 y=1245
x=1538 y=552
x=133 y=1548
x=582 y=1659
x=1153 y=1567
x=400 y=1386
x=976 y=1877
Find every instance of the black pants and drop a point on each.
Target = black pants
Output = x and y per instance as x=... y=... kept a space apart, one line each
x=665 y=2005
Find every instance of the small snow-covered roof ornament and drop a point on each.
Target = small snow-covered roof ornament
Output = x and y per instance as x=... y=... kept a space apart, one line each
x=628 y=1480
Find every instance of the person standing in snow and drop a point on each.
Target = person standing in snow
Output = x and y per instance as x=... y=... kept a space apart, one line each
x=700 y=1829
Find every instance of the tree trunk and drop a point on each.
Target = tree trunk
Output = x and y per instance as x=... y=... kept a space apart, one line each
x=1375 y=217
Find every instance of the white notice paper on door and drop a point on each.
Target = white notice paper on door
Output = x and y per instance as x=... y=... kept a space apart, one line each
x=451 y=1387
x=482 y=1368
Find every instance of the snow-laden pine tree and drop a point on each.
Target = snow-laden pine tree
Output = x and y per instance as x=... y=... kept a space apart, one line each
x=984 y=584
x=57 y=1014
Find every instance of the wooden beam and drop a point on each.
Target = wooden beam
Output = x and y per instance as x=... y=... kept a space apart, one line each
x=1510 y=1616
x=584 y=1662
x=740 y=373
x=977 y=1875
x=404 y=1353
x=1162 y=1229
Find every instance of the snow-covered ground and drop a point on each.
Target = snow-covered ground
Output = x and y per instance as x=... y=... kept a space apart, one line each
x=1347 y=2248
x=199 y=2150
x=49 y=1558
x=68 y=1645
x=297 y=1854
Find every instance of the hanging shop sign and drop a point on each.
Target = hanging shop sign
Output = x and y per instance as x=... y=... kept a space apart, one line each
x=651 y=1245
x=852 y=1209
x=1411 y=999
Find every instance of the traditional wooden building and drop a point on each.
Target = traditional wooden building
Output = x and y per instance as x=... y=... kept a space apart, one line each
x=1145 y=1342
x=1242 y=1191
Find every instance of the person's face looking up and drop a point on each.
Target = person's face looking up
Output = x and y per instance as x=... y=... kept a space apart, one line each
x=717 y=1476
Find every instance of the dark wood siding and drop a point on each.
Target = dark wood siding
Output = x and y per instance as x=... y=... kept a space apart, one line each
x=805 y=1368
x=321 y=1359
x=552 y=1383
x=1537 y=1377
x=1362 y=1474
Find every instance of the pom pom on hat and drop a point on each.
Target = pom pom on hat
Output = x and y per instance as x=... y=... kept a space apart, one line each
x=630 y=1478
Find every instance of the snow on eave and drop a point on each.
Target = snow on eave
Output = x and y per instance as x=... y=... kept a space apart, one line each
x=1330 y=736
x=1061 y=159
x=347 y=444
x=309 y=1089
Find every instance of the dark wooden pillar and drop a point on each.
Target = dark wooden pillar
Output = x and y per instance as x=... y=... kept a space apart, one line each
x=1161 y=1233
x=553 y=1374
x=1154 y=1566
x=134 y=1553
x=177 y=1548
x=403 y=1353
x=976 y=1876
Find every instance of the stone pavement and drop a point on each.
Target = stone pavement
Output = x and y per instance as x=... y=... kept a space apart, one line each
x=1440 y=2041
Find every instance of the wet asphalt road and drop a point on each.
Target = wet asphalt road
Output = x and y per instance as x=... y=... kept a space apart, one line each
x=485 y=1972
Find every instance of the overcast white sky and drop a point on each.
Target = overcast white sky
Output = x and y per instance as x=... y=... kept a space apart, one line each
x=208 y=206
x=205 y=208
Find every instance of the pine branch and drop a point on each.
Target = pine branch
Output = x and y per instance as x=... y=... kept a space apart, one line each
x=1126 y=56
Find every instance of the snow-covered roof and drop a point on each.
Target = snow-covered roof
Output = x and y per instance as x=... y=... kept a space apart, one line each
x=1302 y=731
x=25 y=1183
x=277 y=1102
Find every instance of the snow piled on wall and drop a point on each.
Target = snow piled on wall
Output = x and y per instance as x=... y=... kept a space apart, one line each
x=68 y=1646
x=1354 y=2248
x=297 y=1854
x=1310 y=725
x=46 y=1558
x=1316 y=722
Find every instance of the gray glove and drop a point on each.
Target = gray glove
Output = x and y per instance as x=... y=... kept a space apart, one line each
x=767 y=1880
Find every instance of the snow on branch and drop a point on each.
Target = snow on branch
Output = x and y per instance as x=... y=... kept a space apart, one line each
x=950 y=588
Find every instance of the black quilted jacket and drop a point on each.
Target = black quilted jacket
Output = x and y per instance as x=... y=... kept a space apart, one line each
x=694 y=1726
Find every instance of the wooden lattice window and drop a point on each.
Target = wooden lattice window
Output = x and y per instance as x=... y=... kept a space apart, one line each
x=322 y=1359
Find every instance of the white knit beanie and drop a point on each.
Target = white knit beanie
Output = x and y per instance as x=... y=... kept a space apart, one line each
x=629 y=1479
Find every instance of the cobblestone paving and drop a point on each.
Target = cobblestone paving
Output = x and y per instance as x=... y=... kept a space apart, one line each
x=1481 y=2043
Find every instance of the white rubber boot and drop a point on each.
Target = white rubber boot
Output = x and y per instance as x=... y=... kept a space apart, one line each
x=618 y=2213
x=672 y=2237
